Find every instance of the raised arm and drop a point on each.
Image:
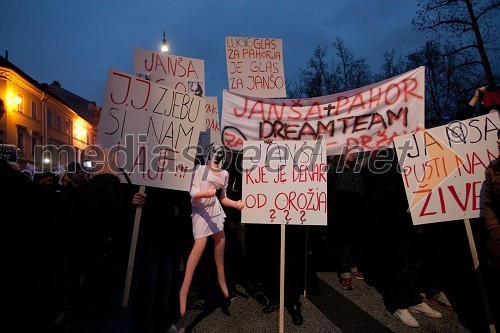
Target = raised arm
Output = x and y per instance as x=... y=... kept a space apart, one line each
x=224 y=200
x=475 y=98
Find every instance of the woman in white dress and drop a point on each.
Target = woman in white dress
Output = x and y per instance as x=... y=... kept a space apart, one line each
x=208 y=218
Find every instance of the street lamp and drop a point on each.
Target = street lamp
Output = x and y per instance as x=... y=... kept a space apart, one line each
x=164 y=46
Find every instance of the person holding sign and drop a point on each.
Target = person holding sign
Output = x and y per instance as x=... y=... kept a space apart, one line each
x=492 y=226
x=208 y=218
x=396 y=245
x=348 y=212
x=488 y=98
x=492 y=206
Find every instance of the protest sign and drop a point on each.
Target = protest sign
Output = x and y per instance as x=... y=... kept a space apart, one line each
x=212 y=131
x=368 y=117
x=181 y=73
x=443 y=168
x=284 y=182
x=153 y=128
x=255 y=66
x=180 y=112
x=8 y=152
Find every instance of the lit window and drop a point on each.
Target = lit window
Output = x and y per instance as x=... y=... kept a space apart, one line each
x=19 y=101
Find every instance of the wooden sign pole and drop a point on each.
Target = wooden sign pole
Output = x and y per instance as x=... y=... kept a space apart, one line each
x=131 y=256
x=305 y=262
x=282 y=280
x=477 y=269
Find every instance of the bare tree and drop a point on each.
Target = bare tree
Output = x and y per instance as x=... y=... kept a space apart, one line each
x=463 y=23
x=391 y=66
x=317 y=78
x=355 y=73
x=294 y=89
x=444 y=89
x=321 y=78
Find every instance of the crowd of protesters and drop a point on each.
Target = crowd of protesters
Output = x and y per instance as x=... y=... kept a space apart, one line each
x=71 y=238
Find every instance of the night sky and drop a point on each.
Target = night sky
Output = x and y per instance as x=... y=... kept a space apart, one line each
x=76 y=42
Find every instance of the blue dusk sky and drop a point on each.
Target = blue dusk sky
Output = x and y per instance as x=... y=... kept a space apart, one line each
x=76 y=42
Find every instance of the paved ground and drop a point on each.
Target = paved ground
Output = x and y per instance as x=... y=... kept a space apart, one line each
x=331 y=309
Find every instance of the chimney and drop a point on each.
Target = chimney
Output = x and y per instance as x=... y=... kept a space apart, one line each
x=6 y=55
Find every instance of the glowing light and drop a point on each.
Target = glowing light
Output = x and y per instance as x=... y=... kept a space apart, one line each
x=164 y=46
x=17 y=100
x=79 y=132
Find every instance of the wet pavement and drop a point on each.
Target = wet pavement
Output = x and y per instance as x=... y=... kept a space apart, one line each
x=328 y=309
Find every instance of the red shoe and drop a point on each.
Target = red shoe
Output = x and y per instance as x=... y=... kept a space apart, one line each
x=347 y=283
x=441 y=299
x=358 y=275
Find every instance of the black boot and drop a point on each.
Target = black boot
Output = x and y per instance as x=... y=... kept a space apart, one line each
x=225 y=306
x=294 y=311
x=272 y=306
x=181 y=325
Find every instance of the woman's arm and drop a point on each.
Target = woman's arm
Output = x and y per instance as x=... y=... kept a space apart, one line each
x=475 y=98
x=224 y=200
x=231 y=203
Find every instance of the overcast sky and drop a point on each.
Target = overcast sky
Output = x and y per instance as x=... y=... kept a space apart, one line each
x=75 y=42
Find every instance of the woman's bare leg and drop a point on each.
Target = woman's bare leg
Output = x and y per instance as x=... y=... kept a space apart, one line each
x=193 y=260
x=220 y=243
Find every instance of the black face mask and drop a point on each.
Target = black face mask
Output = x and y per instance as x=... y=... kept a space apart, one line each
x=218 y=156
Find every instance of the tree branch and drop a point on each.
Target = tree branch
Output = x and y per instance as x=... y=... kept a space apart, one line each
x=465 y=64
x=460 y=50
x=456 y=21
x=487 y=9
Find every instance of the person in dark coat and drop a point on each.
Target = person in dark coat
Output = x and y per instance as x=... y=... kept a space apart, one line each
x=165 y=227
x=98 y=215
x=492 y=228
x=348 y=214
x=26 y=275
x=397 y=240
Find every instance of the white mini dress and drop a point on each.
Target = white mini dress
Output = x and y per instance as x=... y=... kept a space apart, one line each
x=207 y=214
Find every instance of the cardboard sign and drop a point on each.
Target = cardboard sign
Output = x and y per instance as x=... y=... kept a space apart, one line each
x=8 y=152
x=443 y=168
x=154 y=128
x=255 y=66
x=284 y=183
x=212 y=132
x=181 y=73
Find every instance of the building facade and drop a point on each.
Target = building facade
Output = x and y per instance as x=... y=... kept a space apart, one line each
x=48 y=125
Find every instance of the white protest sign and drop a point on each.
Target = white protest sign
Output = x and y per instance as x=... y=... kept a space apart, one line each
x=368 y=117
x=212 y=118
x=212 y=131
x=154 y=128
x=443 y=168
x=181 y=73
x=284 y=182
x=255 y=66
